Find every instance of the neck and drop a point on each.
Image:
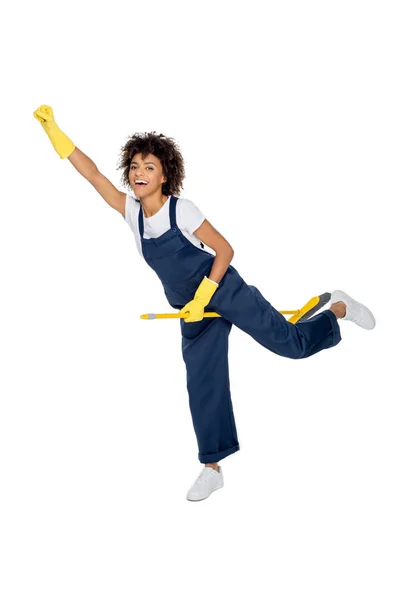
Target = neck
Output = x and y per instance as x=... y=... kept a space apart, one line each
x=152 y=204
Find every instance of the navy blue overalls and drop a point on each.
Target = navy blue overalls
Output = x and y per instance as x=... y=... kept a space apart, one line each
x=181 y=267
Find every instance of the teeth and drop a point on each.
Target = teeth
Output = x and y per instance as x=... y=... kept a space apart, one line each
x=140 y=181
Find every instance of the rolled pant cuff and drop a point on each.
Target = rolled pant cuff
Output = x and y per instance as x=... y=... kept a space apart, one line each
x=336 y=337
x=217 y=456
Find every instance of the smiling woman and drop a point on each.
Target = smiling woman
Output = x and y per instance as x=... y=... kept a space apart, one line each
x=146 y=177
x=167 y=229
x=152 y=156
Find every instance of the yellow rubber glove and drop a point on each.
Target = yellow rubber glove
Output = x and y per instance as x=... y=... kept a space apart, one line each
x=61 y=143
x=202 y=297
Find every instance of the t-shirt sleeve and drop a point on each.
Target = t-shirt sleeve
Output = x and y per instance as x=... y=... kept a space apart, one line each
x=190 y=215
x=128 y=209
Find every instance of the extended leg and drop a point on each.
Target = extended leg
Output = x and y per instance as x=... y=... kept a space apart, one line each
x=244 y=306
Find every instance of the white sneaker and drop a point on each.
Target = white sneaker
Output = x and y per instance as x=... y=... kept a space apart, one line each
x=207 y=482
x=355 y=311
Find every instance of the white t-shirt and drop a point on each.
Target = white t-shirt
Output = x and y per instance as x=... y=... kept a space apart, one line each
x=188 y=218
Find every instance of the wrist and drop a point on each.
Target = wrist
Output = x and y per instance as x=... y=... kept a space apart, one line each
x=212 y=281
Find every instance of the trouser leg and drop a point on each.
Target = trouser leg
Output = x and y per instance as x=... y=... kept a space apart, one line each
x=205 y=352
x=244 y=306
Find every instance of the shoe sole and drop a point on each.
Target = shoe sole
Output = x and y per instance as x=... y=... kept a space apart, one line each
x=205 y=497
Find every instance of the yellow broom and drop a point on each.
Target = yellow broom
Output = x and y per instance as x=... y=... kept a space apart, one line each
x=302 y=314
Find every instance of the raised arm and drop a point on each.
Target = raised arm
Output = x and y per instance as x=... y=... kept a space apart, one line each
x=82 y=163
x=106 y=189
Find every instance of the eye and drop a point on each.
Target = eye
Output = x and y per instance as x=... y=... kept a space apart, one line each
x=151 y=168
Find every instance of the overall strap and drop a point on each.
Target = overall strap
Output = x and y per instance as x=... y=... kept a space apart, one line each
x=141 y=221
x=172 y=211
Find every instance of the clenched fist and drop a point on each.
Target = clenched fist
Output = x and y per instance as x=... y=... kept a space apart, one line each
x=61 y=143
x=44 y=114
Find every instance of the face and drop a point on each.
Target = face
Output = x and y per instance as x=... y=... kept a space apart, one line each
x=148 y=170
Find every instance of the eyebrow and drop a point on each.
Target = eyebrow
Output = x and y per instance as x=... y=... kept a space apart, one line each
x=147 y=162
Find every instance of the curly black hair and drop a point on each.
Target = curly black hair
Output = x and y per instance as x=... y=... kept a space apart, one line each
x=165 y=149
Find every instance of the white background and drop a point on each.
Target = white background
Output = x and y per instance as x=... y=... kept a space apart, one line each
x=287 y=114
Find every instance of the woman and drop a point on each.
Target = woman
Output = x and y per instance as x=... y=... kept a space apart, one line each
x=170 y=234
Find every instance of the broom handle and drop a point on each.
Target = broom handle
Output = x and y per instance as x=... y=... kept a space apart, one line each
x=297 y=314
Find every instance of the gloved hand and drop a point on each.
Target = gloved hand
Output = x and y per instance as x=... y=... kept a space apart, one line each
x=202 y=297
x=61 y=143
